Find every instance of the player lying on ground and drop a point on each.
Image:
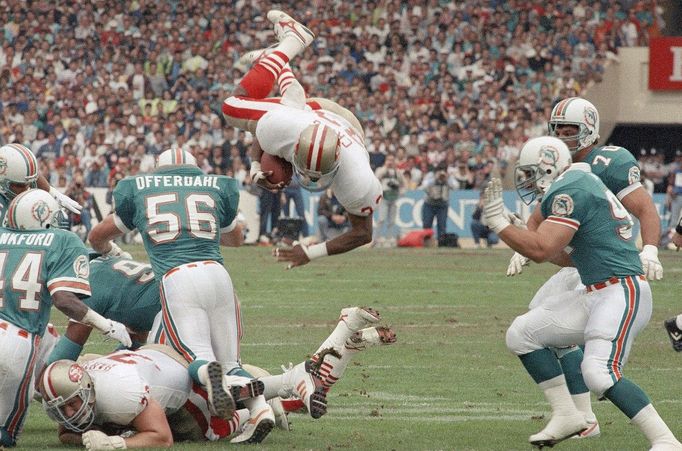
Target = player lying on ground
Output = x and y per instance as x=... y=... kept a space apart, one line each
x=580 y=214
x=323 y=141
x=133 y=389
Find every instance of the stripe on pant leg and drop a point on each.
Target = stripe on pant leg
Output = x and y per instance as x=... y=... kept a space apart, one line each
x=171 y=330
x=618 y=344
x=15 y=418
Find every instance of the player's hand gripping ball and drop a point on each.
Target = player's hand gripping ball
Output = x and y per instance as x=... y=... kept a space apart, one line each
x=282 y=171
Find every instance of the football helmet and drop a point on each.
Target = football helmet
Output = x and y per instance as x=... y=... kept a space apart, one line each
x=581 y=113
x=17 y=165
x=175 y=157
x=316 y=157
x=61 y=384
x=34 y=209
x=540 y=162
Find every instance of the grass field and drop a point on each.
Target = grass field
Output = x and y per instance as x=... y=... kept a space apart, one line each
x=449 y=382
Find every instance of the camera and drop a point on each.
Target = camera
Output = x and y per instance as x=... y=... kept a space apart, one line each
x=393 y=184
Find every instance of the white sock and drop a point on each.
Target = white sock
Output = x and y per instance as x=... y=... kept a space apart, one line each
x=652 y=426
x=202 y=372
x=583 y=403
x=678 y=321
x=558 y=396
x=290 y=46
x=271 y=386
x=338 y=338
x=255 y=403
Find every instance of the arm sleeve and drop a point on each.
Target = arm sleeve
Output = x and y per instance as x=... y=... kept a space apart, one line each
x=229 y=197
x=566 y=207
x=70 y=271
x=623 y=176
x=124 y=207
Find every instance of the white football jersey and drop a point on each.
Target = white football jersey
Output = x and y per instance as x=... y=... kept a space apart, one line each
x=126 y=380
x=355 y=185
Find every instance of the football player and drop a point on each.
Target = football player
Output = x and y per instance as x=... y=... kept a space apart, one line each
x=122 y=289
x=323 y=142
x=19 y=172
x=576 y=122
x=580 y=213
x=184 y=216
x=673 y=326
x=41 y=265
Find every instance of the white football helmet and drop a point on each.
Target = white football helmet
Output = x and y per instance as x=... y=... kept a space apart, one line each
x=540 y=162
x=17 y=165
x=62 y=384
x=581 y=113
x=175 y=157
x=316 y=157
x=34 y=209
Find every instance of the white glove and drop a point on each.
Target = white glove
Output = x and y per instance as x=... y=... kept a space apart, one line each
x=116 y=251
x=493 y=206
x=118 y=332
x=98 y=440
x=516 y=264
x=65 y=201
x=515 y=219
x=256 y=172
x=650 y=263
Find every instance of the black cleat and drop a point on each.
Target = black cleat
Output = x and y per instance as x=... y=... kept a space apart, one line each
x=674 y=333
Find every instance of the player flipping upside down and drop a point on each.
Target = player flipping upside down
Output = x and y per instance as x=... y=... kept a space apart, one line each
x=323 y=141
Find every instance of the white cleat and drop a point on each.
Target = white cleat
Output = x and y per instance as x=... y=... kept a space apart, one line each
x=286 y=26
x=250 y=58
x=370 y=336
x=220 y=400
x=357 y=318
x=257 y=427
x=281 y=418
x=667 y=446
x=591 y=431
x=559 y=428
x=302 y=381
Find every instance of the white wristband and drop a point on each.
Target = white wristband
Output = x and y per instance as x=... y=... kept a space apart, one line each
x=316 y=250
x=650 y=249
x=498 y=223
x=94 y=319
x=255 y=168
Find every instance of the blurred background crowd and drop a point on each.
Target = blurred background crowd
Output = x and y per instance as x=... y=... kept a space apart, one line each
x=98 y=88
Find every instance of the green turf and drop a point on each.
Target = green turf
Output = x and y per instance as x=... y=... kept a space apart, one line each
x=449 y=382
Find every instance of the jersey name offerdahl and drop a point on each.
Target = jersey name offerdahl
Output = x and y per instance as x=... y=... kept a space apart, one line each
x=21 y=239
x=146 y=181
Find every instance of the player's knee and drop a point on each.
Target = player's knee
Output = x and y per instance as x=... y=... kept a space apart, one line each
x=596 y=376
x=518 y=339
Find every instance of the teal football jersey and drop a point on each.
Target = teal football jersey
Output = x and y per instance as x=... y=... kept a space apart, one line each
x=616 y=167
x=603 y=245
x=34 y=265
x=125 y=291
x=179 y=211
x=4 y=205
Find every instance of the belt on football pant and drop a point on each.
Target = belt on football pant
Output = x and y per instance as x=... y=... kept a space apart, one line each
x=608 y=282
x=21 y=332
x=190 y=265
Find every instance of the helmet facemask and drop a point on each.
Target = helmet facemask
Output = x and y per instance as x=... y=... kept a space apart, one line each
x=541 y=161
x=79 y=421
x=525 y=178
x=580 y=138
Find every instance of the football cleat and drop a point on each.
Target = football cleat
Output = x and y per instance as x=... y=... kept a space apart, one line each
x=257 y=427
x=286 y=26
x=281 y=418
x=357 y=318
x=242 y=388
x=591 y=431
x=220 y=400
x=559 y=428
x=304 y=382
x=674 y=333
x=371 y=336
x=667 y=446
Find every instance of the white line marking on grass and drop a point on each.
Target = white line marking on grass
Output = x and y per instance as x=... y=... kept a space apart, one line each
x=442 y=419
x=387 y=410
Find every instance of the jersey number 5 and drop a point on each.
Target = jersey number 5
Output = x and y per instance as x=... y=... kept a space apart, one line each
x=619 y=212
x=26 y=279
x=166 y=226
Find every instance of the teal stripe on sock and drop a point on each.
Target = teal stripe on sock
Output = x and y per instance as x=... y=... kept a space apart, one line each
x=193 y=369
x=628 y=397
x=239 y=371
x=542 y=365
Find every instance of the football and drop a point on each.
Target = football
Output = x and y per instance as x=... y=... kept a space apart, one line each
x=281 y=169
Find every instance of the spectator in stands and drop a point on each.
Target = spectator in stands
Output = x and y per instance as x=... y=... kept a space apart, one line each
x=480 y=230
x=392 y=182
x=437 y=185
x=331 y=217
x=674 y=191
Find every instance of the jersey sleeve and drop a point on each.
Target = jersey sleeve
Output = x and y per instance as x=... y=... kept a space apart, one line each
x=124 y=206
x=622 y=176
x=229 y=202
x=69 y=269
x=355 y=185
x=121 y=394
x=566 y=206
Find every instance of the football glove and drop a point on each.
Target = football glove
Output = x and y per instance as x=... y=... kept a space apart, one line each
x=650 y=264
x=99 y=441
x=65 y=201
x=516 y=264
x=493 y=206
x=256 y=173
x=118 y=332
x=116 y=251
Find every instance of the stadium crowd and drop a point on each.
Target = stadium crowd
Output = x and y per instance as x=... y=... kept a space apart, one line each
x=97 y=89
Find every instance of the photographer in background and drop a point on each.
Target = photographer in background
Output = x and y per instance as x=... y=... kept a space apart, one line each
x=80 y=224
x=479 y=229
x=437 y=185
x=331 y=217
x=393 y=184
